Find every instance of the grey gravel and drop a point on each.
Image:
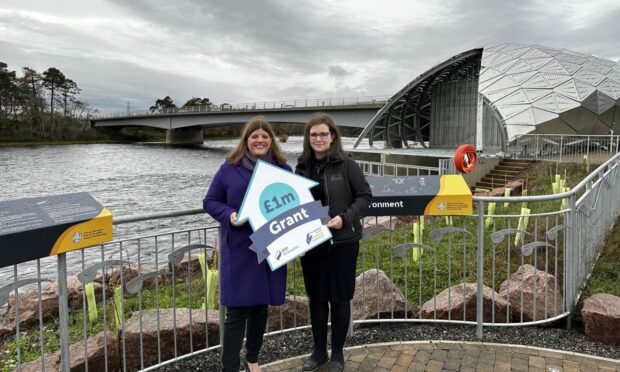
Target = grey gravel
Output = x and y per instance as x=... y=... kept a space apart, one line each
x=297 y=343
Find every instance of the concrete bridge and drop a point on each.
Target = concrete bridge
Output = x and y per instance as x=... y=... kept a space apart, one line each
x=184 y=125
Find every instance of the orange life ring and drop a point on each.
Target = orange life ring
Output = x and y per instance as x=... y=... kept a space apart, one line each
x=465 y=158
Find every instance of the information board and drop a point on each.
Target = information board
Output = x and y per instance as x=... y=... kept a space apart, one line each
x=32 y=228
x=419 y=195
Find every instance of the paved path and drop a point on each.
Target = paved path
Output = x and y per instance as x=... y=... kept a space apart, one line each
x=457 y=356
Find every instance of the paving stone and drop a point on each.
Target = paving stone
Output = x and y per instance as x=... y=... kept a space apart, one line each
x=439 y=355
x=487 y=357
x=375 y=356
x=452 y=364
x=483 y=367
x=469 y=361
x=434 y=366
x=357 y=358
x=537 y=362
x=386 y=362
x=417 y=367
x=501 y=367
x=404 y=360
x=422 y=356
x=571 y=366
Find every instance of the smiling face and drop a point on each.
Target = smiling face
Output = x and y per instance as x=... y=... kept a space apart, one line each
x=320 y=140
x=259 y=143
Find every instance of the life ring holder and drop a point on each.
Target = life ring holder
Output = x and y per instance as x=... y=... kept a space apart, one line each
x=465 y=158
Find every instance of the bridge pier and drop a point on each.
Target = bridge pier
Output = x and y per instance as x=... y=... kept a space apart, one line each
x=184 y=136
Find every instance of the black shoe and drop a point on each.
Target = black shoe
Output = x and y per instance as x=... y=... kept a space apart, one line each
x=335 y=366
x=311 y=364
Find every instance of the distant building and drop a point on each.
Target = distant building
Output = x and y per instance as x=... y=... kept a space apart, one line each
x=489 y=97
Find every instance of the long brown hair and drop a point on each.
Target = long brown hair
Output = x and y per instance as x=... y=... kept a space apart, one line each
x=257 y=122
x=335 y=149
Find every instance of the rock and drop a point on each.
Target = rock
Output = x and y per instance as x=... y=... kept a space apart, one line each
x=460 y=303
x=293 y=313
x=29 y=311
x=75 y=291
x=181 y=269
x=130 y=272
x=198 y=326
x=381 y=221
x=95 y=357
x=381 y=298
x=540 y=290
x=601 y=317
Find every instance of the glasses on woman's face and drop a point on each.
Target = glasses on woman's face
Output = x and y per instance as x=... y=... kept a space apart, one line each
x=322 y=135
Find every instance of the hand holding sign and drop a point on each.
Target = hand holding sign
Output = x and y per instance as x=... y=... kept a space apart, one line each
x=283 y=214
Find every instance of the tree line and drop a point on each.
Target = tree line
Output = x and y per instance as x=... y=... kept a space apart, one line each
x=36 y=106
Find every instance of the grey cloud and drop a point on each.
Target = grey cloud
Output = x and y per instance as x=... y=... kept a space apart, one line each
x=297 y=35
x=336 y=71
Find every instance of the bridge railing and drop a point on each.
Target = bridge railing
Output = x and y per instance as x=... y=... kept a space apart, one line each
x=260 y=106
x=144 y=301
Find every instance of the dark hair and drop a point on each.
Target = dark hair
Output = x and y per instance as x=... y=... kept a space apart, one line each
x=335 y=149
x=257 y=122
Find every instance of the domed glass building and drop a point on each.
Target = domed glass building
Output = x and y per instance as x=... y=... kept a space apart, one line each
x=489 y=97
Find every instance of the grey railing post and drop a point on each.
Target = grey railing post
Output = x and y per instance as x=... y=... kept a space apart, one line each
x=480 y=274
x=569 y=256
x=63 y=312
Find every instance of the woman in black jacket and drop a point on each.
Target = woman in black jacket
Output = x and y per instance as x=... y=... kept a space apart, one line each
x=329 y=269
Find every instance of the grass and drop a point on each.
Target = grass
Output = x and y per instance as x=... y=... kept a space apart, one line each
x=447 y=262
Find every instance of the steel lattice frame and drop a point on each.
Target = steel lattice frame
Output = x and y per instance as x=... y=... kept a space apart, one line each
x=407 y=115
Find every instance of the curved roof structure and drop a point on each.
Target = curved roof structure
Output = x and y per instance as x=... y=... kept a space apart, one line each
x=517 y=89
x=550 y=90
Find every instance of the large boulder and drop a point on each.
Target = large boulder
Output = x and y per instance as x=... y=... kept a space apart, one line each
x=164 y=328
x=601 y=317
x=294 y=313
x=188 y=265
x=377 y=297
x=75 y=291
x=460 y=303
x=29 y=311
x=95 y=358
x=533 y=292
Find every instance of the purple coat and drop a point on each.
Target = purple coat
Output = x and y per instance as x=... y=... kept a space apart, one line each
x=243 y=281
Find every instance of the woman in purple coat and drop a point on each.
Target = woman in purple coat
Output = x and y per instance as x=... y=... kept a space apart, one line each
x=246 y=287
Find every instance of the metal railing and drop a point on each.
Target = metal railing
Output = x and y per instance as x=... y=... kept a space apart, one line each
x=318 y=103
x=564 y=148
x=411 y=269
x=374 y=168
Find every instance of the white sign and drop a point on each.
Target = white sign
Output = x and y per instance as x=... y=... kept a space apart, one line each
x=286 y=219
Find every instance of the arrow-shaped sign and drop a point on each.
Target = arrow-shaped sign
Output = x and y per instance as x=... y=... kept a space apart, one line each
x=283 y=214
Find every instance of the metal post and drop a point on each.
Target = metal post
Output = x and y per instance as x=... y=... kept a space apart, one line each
x=480 y=268
x=63 y=312
x=570 y=260
x=350 y=332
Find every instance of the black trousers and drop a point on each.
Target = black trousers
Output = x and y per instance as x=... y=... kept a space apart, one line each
x=234 y=330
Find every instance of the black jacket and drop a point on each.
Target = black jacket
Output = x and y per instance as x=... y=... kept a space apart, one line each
x=346 y=193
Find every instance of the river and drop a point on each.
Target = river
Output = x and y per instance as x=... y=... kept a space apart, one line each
x=127 y=179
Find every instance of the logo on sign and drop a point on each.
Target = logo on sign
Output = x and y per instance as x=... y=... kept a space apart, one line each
x=76 y=238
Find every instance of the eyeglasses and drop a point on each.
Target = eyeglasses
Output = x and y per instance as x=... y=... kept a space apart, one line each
x=323 y=135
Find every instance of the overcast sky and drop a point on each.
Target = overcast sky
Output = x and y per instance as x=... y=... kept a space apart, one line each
x=136 y=51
